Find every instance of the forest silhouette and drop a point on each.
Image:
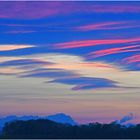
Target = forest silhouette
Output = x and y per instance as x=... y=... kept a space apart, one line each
x=44 y=128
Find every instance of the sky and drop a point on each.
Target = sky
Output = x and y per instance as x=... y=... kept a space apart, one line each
x=79 y=58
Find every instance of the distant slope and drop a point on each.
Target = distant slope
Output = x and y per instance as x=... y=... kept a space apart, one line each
x=59 y=118
x=62 y=118
x=13 y=118
x=40 y=128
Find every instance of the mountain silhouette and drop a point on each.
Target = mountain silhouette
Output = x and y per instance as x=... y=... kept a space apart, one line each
x=59 y=118
x=14 y=118
x=62 y=118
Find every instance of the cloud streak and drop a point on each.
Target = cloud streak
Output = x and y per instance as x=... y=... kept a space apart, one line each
x=85 y=83
x=100 y=53
x=33 y=10
x=87 y=43
x=107 y=26
x=126 y=118
x=49 y=73
x=13 y=47
x=71 y=78
x=131 y=59
x=21 y=62
x=20 y=32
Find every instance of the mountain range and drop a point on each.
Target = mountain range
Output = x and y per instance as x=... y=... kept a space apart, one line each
x=59 y=118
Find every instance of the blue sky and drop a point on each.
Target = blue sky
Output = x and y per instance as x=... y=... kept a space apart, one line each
x=80 y=58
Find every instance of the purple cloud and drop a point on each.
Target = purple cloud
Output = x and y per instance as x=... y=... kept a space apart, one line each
x=21 y=62
x=50 y=73
x=70 y=78
x=85 y=83
x=37 y=9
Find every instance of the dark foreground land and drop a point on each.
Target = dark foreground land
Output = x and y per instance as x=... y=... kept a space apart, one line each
x=43 y=129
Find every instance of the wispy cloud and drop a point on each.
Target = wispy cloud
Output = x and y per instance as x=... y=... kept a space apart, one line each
x=49 y=73
x=20 y=32
x=131 y=59
x=107 y=26
x=104 y=52
x=82 y=83
x=10 y=71
x=28 y=10
x=61 y=27
x=70 y=78
x=21 y=62
x=77 y=72
x=87 y=43
x=13 y=47
x=126 y=118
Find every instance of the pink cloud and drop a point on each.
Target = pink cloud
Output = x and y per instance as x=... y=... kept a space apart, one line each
x=86 y=43
x=96 y=64
x=107 y=25
x=109 y=51
x=132 y=59
x=89 y=27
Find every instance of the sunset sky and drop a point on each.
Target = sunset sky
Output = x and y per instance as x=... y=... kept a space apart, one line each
x=79 y=58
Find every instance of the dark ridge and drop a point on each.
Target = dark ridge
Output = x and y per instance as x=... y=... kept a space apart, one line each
x=47 y=129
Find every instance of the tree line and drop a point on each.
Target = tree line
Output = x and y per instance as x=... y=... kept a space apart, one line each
x=43 y=129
